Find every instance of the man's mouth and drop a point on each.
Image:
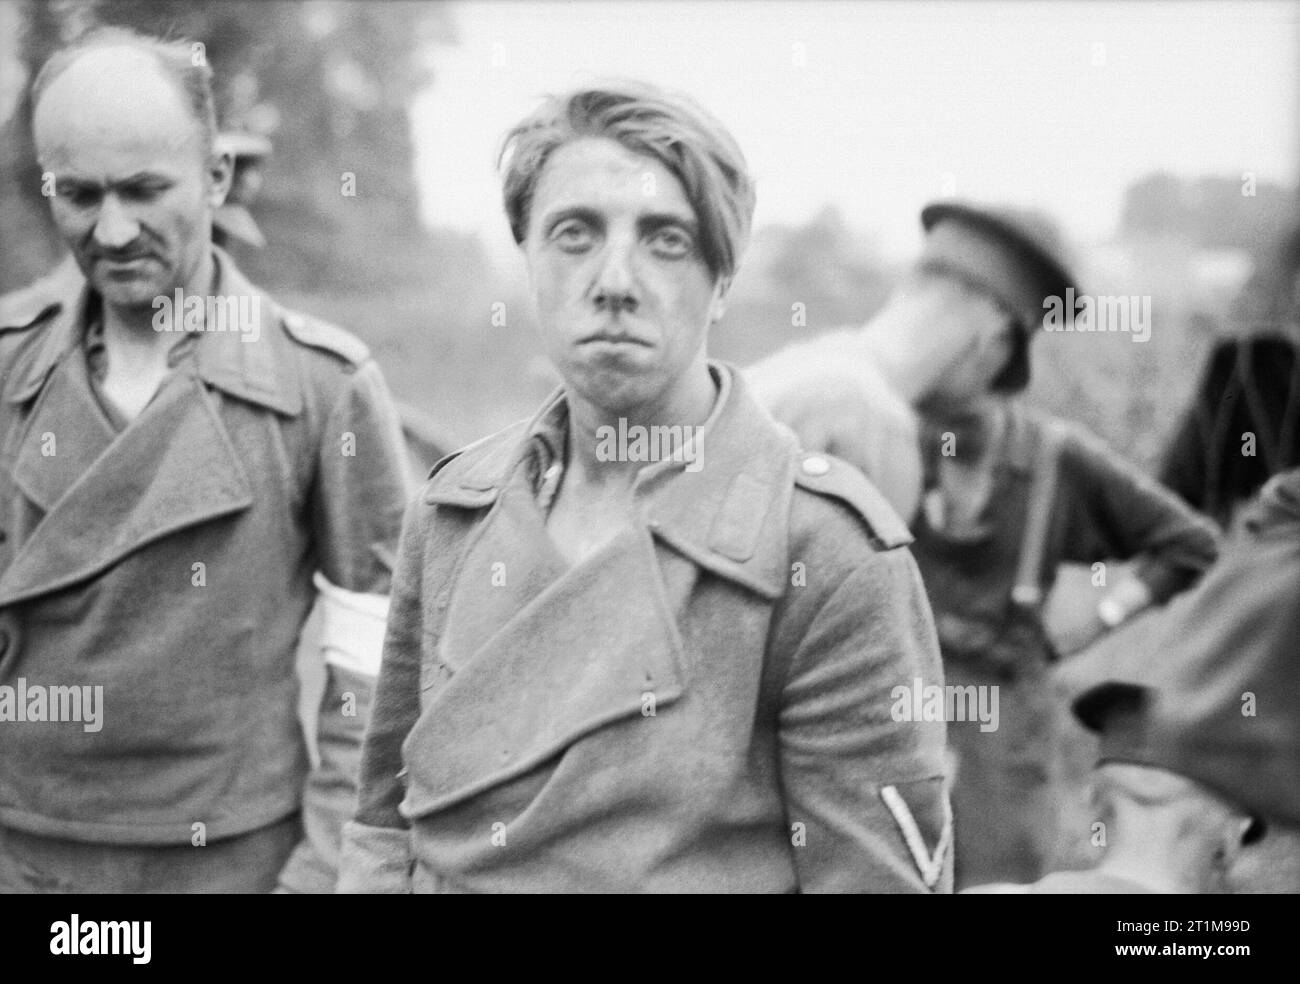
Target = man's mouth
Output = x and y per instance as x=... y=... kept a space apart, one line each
x=609 y=338
x=124 y=262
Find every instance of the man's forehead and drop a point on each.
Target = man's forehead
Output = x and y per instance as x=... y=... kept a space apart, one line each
x=112 y=101
x=91 y=154
x=596 y=167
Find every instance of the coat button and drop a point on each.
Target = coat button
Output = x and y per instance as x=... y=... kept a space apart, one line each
x=815 y=464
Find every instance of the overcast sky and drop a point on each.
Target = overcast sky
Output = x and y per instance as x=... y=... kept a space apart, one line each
x=879 y=107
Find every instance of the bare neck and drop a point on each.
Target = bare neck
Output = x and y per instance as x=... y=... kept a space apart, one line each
x=688 y=405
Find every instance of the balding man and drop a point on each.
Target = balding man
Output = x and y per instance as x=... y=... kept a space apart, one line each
x=180 y=458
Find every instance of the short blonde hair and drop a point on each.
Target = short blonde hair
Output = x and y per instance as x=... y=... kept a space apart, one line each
x=668 y=127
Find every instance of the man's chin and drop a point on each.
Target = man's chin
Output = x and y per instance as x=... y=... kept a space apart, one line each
x=612 y=392
x=130 y=293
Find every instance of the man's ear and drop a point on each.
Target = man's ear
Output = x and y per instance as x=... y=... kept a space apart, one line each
x=997 y=350
x=221 y=173
x=719 y=305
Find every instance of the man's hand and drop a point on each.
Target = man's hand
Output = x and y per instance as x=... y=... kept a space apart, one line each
x=1125 y=600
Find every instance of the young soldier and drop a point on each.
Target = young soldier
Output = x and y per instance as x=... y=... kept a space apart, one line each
x=608 y=672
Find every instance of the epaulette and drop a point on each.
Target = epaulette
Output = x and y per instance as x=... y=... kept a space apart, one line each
x=24 y=308
x=318 y=334
x=825 y=474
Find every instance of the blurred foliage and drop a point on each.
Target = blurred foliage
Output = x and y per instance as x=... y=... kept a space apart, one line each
x=1213 y=212
x=796 y=280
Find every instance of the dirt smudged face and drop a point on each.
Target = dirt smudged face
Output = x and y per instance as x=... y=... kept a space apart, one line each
x=623 y=295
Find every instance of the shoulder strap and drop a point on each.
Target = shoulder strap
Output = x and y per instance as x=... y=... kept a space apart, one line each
x=318 y=334
x=1028 y=592
x=829 y=476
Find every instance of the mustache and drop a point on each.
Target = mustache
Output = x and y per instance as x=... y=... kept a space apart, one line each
x=138 y=250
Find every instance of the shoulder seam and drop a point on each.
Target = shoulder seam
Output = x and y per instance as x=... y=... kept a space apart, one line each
x=856 y=493
x=23 y=322
x=325 y=336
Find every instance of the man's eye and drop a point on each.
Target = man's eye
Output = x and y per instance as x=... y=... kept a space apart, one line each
x=142 y=192
x=574 y=237
x=671 y=243
x=78 y=196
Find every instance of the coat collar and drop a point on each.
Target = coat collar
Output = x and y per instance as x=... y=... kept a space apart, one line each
x=730 y=515
x=253 y=362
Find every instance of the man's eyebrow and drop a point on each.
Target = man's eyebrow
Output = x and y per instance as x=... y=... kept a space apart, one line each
x=141 y=177
x=66 y=181
x=657 y=220
x=554 y=217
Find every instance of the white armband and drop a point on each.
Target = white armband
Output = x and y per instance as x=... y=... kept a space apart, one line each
x=352 y=626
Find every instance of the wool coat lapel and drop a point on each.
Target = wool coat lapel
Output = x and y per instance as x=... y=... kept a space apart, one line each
x=558 y=669
x=103 y=498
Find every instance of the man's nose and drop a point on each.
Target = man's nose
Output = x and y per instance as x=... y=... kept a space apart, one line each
x=615 y=285
x=114 y=228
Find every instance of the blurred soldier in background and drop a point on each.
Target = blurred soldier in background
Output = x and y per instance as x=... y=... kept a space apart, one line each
x=183 y=463
x=1006 y=496
x=849 y=393
x=1211 y=739
x=1244 y=422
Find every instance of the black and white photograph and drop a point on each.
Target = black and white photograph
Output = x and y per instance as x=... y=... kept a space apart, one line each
x=651 y=447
